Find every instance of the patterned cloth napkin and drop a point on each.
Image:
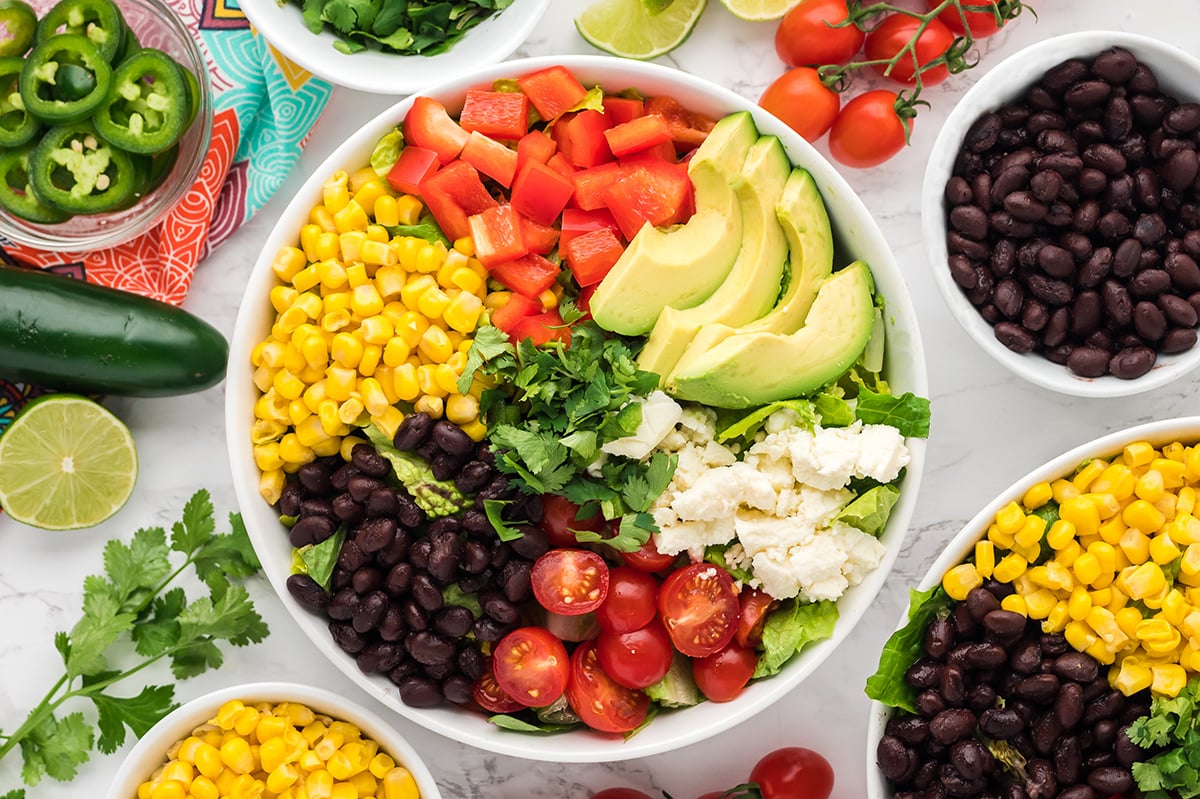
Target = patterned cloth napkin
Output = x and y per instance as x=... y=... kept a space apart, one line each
x=264 y=107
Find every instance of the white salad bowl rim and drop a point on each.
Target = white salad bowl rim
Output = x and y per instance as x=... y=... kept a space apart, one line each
x=854 y=230
x=1178 y=72
x=962 y=544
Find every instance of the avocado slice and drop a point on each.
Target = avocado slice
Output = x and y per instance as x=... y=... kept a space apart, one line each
x=754 y=368
x=682 y=266
x=752 y=286
x=805 y=222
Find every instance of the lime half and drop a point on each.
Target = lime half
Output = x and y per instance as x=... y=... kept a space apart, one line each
x=65 y=463
x=759 y=10
x=634 y=29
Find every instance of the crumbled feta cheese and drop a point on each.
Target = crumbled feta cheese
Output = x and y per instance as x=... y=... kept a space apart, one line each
x=690 y=535
x=660 y=414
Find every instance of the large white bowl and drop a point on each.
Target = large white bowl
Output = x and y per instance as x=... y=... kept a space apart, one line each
x=962 y=545
x=151 y=751
x=378 y=72
x=858 y=237
x=1178 y=73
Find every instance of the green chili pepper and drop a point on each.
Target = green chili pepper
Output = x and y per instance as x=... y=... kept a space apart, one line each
x=75 y=170
x=100 y=21
x=17 y=196
x=53 y=86
x=17 y=125
x=18 y=24
x=149 y=106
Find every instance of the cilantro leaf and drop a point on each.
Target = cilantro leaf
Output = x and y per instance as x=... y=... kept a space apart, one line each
x=56 y=748
x=504 y=531
x=101 y=624
x=15 y=793
x=160 y=631
x=196 y=526
x=137 y=569
x=139 y=713
x=634 y=530
x=489 y=344
x=907 y=413
x=508 y=722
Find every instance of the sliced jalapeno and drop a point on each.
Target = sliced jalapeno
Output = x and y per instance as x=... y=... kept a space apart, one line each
x=98 y=20
x=17 y=125
x=53 y=84
x=129 y=47
x=75 y=170
x=18 y=24
x=16 y=194
x=150 y=104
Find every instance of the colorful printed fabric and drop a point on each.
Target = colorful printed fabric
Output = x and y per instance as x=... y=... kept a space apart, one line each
x=264 y=108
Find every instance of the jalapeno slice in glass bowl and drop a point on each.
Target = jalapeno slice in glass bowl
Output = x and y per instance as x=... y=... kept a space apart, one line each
x=17 y=125
x=65 y=79
x=18 y=26
x=74 y=169
x=100 y=21
x=16 y=193
x=149 y=106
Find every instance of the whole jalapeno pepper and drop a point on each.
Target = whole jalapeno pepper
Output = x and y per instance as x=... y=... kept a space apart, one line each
x=98 y=20
x=18 y=25
x=149 y=106
x=17 y=125
x=17 y=196
x=64 y=79
x=73 y=169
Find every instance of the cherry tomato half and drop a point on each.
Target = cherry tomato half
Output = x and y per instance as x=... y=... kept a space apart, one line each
x=805 y=36
x=753 y=605
x=598 y=701
x=894 y=33
x=620 y=793
x=793 y=773
x=802 y=102
x=868 y=131
x=630 y=604
x=981 y=23
x=531 y=666
x=559 y=518
x=722 y=675
x=636 y=659
x=699 y=606
x=570 y=581
x=648 y=558
x=488 y=694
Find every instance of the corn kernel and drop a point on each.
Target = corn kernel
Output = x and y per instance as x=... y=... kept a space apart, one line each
x=1088 y=473
x=378 y=253
x=365 y=301
x=1014 y=603
x=409 y=208
x=1132 y=677
x=1058 y=618
x=1060 y=534
x=1079 y=635
x=398 y=783
x=1082 y=513
x=1145 y=580
x=1037 y=495
x=1163 y=550
x=411 y=326
x=1064 y=490
x=433 y=406
x=430 y=257
x=1184 y=529
x=1139 y=453
x=1143 y=515
x=1009 y=568
x=1079 y=604
x=1039 y=603
x=1031 y=531
x=1010 y=518
x=475 y=430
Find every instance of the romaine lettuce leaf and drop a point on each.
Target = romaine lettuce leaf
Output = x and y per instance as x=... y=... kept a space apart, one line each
x=887 y=684
x=870 y=511
x=792 y=627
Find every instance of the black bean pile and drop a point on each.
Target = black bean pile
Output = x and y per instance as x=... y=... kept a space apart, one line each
x=1007 y=712
x=387 y=607
x=1074 y=218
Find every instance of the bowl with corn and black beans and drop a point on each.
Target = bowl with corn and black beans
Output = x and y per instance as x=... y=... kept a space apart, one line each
x=1043 y=645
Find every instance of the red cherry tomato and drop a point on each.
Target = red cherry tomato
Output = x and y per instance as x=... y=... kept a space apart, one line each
x=531 y=666
x=722 y=675
x=868 y=131
x=805 y=37
x=570 y=581
x=754 y=605
x=629 y=605
x=699 y=606
x=598 y=701
x=802 y=102
x=488 y=694
x=793 y=773
x=894 y=33
x=559 y=519
x=636 y=659
x=648 y=558
x=620 y=793
x=981 y=23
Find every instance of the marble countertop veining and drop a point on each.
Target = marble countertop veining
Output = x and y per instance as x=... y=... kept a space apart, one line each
x=989 y=428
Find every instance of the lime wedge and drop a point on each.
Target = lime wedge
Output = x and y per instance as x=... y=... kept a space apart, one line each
x=759 y=10
x=65 y=463
x=635 y=29
x=656 y=6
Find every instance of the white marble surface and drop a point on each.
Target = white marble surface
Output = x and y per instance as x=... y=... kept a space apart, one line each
x=988 y=430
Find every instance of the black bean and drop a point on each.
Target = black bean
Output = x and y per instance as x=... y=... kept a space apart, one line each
x=1046 y=185
x=311 y=530
x=1106 y=158
x=1179 y=339
x=471 y=662
x=444 y=555
x=952 y=724
x=395 y=551
x=315 y=477
x=1034 y=315
x=426 y=593
x=1091 y=182
x=1001 y=722
x=1126 y=258
x=370 y=611
x=1045 y=732
x=1118 y=119
x=1085 y=216
x=1115 y=65
x=514 y=580
x=428 y=647
x=368 y=461
x=1061 y=77
x=1025 y=658
x=307 y=591
x=981 y=697
x=373 y=535
x=964 y=625
x=1068 y=705
x=1149 y=321
x=912 y=730
x=361 y=486
x=1180 y=170
x=1040 y=781
x=488 y=630
x=1086 y=313
x=418 y=553
x=366 y=579
x=451 y=439
x=939 y=637
x=382 y=502
x=341 y=476
x=1056 y=261
x=413 y=431
x=1088 y=361
x=1076 y=666
x=438 y=672
x=1113 y=225
x=1066 y=164
x=1177 y=310
x=971 y=221
x=379 y=657
x=1103 y=709
x=347 y=639
x=1149 y=283
x=414 y=617
x=1050 y=291
x=420 y=692
x=474 y=583
x=1003 y=258
x=962 y=271
x=1068 y=760
x=952 y=685
x=497 y=607
x=342 y=605
x=981 y=190
x=1149 y=229
x=346 y=509
x=958 y=191
x=1111 y=780
x=1184 y=272
x=289 y=499
x=893 y=757
x=971 y=758
x=452 y=621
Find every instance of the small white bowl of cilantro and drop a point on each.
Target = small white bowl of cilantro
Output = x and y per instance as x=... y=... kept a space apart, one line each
x=390 y=47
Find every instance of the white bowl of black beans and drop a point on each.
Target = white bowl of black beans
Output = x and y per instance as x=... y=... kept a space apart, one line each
x=1061 y=213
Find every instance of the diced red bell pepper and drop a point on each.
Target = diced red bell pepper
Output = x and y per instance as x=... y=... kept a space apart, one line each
x=653 y=192
x=552 y=91
x=538 y=238
x=491 y=158
x=576 y=222
x=413 y=166
x=510 y=313
x=638 y=135
x=497 y=235
x=590 y=184
x=542 y=328
x=688 y=130
x=580 y=138
x=536 y=146
x=530 y=275
x=428 y=125
x=584 y=301
x=623 y=109
x=500 y=115
x=659 y=152
x=452 y=194
x=540 y=193
x=559 y=163
x=592 y=254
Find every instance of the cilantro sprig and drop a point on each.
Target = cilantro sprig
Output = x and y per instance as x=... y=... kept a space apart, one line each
x=135 y=602
x=1173 y=729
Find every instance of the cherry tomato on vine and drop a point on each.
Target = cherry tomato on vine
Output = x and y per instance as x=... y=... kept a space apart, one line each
x=805 y=37
x=802 y=102
x=620 y=793
x=531 y=666
x=559 y=519
x=570 y=581
x=868 y=131
x=897 y=31
x=793 y=773
x=699 y=606
x=600 y=702
x=630 y=603
x=636 y=659
x=981 y=23
x=722 y=675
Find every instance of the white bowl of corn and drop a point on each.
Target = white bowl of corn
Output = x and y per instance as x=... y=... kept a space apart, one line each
x=272 y=739
x=1117 y=572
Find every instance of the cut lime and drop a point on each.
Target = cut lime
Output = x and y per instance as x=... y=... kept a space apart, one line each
x=656 y=6
x=759 y=10
x=634 y=29
x=65 y=463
